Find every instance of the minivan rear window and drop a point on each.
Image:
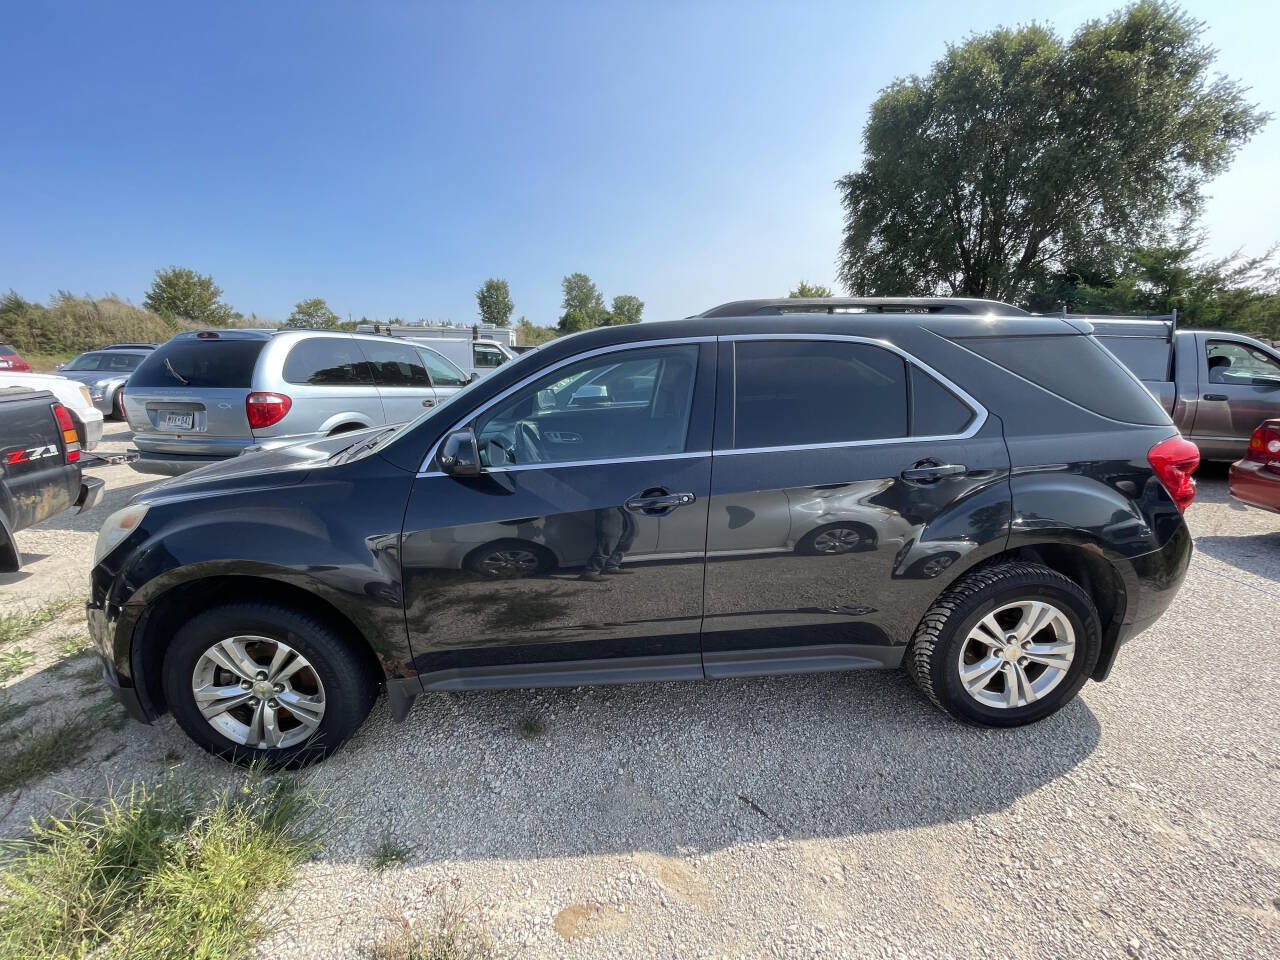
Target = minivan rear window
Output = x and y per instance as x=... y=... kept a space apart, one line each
x=199 y=363
x=1078 y=369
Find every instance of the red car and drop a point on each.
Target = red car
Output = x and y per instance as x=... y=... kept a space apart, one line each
x=1255 y=480
x=10 y=360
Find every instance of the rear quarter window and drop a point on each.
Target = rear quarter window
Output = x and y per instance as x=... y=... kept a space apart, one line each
x=1147 y=357
x=1076 y=368
x=199 y=363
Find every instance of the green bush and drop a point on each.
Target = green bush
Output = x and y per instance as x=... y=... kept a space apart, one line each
x=71 y=324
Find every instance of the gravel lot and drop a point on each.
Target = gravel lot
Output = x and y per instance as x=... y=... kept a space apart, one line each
x=832 y=816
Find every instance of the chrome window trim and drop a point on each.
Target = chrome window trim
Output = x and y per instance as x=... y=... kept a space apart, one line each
x=537 y=375
x=978 y=410
x=975 y=425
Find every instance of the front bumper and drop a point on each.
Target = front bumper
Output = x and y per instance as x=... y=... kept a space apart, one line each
x=102 y=632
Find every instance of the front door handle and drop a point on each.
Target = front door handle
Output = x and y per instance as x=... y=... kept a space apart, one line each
x=657 y=502
x=926 y=471
x=1215 y=396
x=428 y=402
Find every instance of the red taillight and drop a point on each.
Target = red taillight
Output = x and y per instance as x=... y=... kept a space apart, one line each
x=1174 y=461
x=266 y=409
x=70 y=438
x=1264 y=445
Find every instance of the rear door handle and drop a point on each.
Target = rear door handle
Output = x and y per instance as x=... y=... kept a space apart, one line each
x=428 y=402
x=655 y=504
x=1215 y=396
x=935 y=471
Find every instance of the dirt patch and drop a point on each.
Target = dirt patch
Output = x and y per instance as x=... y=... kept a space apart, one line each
x=581 y=920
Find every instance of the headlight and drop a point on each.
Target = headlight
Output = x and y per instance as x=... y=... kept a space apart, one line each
x=118 y=526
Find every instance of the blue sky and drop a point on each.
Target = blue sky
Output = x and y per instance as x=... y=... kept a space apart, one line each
x=391 y=156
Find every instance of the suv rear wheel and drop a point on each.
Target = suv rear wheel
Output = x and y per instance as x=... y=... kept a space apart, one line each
x=1006 y=645
x=265 y=683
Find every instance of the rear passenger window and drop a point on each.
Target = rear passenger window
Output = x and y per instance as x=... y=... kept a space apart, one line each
x=326 y=362
x=791 y=392
x=395 y=365
x=1078 y=369
x=935 y=410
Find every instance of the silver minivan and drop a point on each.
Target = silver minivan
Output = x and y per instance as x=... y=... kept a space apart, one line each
x=210 y=395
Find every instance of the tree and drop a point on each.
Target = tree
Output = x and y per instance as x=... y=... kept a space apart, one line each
x=494 y=298
x=180 y=293
x=529 y=334
x=1238 y=292
x=583 y=304
x=1020 y=152
x=810 y=290
x=312 y=314
x=627 y=309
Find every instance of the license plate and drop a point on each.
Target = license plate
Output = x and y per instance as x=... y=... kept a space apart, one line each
x=177 y=421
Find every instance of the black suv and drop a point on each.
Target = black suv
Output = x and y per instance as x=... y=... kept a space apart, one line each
x=987 y=498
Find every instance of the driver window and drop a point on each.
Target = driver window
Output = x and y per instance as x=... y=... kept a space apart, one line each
x=1231 y=362
x=629 y=403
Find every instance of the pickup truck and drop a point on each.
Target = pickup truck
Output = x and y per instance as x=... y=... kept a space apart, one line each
x=1218 y=386
x=39 y=466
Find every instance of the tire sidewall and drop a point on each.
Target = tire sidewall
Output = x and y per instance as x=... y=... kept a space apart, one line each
x=945 y=666
x=343 y=675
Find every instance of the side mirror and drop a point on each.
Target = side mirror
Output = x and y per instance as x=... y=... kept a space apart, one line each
x=474 y=377
x=460 y=455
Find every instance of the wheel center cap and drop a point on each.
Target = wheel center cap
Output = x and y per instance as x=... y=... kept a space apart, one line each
x=1011 y=652
x=262 y=689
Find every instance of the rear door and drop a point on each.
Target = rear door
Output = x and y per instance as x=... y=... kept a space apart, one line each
x=835 y=459
x=331 y=385
x=401 y=377
x=188 y=396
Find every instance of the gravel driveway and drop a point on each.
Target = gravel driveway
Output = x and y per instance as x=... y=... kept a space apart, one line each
x=834 y=815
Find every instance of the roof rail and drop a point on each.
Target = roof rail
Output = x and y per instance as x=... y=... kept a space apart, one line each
x=781 y=305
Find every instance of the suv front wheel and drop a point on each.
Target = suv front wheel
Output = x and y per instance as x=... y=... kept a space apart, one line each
x=1006 y=645
x=258 y=682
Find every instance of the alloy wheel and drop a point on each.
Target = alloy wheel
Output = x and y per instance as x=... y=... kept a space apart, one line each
x=512 y=562
x=258 y=692
x=836 y=540
x=1017 y=654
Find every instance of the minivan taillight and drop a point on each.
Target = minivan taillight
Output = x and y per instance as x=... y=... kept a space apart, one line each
x=266 y=409
x=70 y=438
x=1174 y=461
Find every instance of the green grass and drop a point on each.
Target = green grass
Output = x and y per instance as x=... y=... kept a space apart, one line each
x=35 y=751
x=388 y=854
x=13 y=661
x=73 y=644
x=15 y=627
x=47 y=362
x=13 y=711
x=168 y=871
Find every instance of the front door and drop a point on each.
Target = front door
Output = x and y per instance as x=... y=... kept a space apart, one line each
x=578 y=555
x=835 y=459
x=1240 y=387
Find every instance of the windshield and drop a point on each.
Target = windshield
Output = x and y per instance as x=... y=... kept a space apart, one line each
x=108 y=362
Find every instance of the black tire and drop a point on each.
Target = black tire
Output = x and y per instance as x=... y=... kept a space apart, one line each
x=932 y=657
x=117 y=411
x=808 y=543
x=350 y=686
x=477 y=561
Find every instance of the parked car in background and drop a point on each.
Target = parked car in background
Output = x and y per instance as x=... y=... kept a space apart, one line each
x=788 y=494
x=10 y=359
x=1255 y=478
x=207 y=396
x=477 y=356
x=74 y=396
x=39 y=466
x=105 y=372
x=1218 y=386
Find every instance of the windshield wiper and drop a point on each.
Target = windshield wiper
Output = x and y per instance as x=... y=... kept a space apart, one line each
x=346 y=453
